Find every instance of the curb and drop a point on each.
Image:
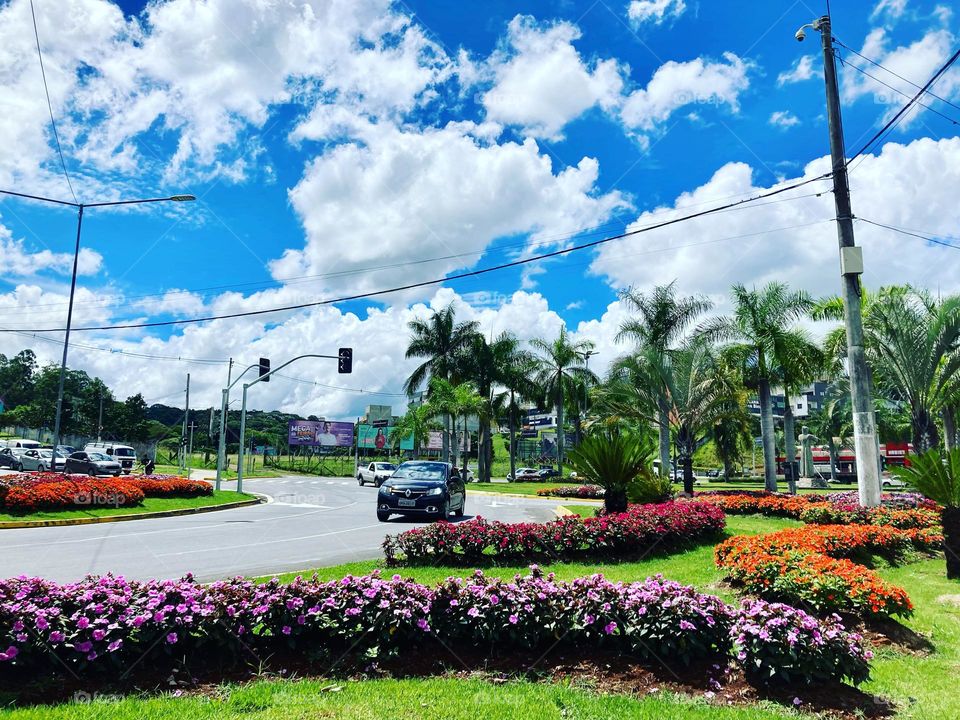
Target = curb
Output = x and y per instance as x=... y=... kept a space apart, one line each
x=20 y=524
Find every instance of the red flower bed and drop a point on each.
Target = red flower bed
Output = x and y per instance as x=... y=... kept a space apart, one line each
x=25 y=493
x=72 y=491
x=637 y=531
x=809 y=566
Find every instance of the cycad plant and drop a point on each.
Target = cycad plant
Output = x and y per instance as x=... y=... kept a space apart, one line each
x=614 y=461
x=939 y=479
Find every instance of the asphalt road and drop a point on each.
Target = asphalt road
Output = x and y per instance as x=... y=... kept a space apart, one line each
x=309 y=522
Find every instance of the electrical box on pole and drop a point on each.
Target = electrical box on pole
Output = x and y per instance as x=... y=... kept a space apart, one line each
x=345 y=361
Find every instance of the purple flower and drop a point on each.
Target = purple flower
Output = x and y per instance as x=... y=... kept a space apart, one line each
x=171 y=638
x=513 y=619
x=610 y=628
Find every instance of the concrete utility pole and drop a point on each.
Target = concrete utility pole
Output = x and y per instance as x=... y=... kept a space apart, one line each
x=851 y=267
x=100 y=419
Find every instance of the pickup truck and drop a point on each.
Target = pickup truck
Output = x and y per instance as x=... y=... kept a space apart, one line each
x=374 y=473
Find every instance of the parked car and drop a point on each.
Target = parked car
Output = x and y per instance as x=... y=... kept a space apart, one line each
x=713 y=472
x=66 y=450
x=421 y=488
x=547 y=473
x=42 y=460
x=123 y=454
x=890 y=482
x=92 y=463
x=375 y=473
x=524 y=474
x=21 y=443
x=10 y=457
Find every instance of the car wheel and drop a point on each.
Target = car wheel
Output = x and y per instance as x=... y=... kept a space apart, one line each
x=444 y=511
x=19 y=467
x=360 y=480
x=116 y=474
x=41 y=468
x=459 y=511
x=382 y=516
x=885 y=485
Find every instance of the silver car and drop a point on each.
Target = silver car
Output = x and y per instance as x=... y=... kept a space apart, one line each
x=41 y=461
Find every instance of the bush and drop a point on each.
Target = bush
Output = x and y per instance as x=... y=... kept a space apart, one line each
x=650 y=487
x=583 y=492
x=611 y=536
x=77 y=492
x=778 y=644
x=614 y=461
x=165 y=486
x=100 y=624
x=808 y=566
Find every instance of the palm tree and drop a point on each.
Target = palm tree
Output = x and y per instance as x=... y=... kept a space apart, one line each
x=939 y=480
x=416 y=423
x=762 y=334
x=913 y=349
x=661 y=321
x=440 y=341
x=454 y=401
x=561 y=368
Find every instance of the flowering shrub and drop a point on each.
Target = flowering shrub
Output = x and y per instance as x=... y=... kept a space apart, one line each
x=778 y=643
x=76 y=492
x=590 y=492
x=611 y=536
x=842 y=514
x=26 y=493
x=808 y=566
x=102 y=623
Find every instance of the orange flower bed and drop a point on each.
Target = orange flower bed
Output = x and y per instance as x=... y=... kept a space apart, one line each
x=775 y=505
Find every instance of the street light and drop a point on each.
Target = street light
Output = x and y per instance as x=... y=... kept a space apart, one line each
x=73 y=277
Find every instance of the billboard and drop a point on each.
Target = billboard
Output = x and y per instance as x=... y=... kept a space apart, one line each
x=378 y=438
x=320 y=433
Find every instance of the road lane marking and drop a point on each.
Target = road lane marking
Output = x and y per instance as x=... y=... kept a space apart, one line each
x=270 y=542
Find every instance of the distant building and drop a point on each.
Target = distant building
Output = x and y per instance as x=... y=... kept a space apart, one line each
x=804 y=403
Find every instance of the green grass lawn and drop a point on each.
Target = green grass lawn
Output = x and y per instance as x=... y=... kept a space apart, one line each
x=223 y=497
x=583 y=510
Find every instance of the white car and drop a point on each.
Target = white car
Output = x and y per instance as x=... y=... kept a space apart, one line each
x=524 y=473
x=42 y=460
x=375 y=473
x=891 y=482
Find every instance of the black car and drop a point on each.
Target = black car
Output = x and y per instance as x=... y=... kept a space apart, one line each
x=92 y=463
x=10 y=458
x=421 y=488
x=547 y=473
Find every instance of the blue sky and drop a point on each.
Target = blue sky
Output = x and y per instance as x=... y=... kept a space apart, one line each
x=338 y=147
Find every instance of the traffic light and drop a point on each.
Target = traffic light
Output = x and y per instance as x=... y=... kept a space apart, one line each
x=264 y=369
x=66 y=411
x=345 y=361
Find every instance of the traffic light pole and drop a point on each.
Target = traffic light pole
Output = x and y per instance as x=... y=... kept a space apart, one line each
x=224 y=408
x=243 y=407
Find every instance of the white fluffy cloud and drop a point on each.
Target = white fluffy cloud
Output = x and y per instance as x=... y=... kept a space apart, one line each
x=916 y=62
x=801 y=70
x=205 y=73
x=783 y=119
x=678 y=84
x=541 y=82
x=890 y=9
x=396 y=196
x=18 y=261
x=655 y=11
x=908 y=186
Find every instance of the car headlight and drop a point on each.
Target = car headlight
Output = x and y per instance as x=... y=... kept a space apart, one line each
x=435 y=491
x=385 y=488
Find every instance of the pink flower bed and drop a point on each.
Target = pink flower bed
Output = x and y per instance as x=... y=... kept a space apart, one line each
x=622 y=535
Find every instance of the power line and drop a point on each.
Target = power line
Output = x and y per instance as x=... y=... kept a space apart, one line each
x=896 y=90
x=896 y=75
x=902 y=231
x=297 y=279
x=437 y=281
x=339 y=387
x=892 y=123
x=46 y=90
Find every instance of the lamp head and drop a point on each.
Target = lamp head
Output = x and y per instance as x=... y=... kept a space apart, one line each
x=183 y=198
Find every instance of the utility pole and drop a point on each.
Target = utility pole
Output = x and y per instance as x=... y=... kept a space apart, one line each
x=851 y=267
x=100 y=419
x=224 y=409
x=183 y=432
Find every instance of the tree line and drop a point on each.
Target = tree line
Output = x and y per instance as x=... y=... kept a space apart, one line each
x=687 y=376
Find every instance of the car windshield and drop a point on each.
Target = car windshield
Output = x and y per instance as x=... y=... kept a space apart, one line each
x=123 y=452
x=420 y=471
x=386 y=466
x=98 y=456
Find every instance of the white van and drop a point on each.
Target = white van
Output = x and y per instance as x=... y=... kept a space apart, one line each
x=123 y=454
x=20 y=443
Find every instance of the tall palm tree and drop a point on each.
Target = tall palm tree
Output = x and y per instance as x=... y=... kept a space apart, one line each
x=416 y=423
x=440 y=340
x=561 y=368
x=762 y=332
x=913 y=349
x=660 y=323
